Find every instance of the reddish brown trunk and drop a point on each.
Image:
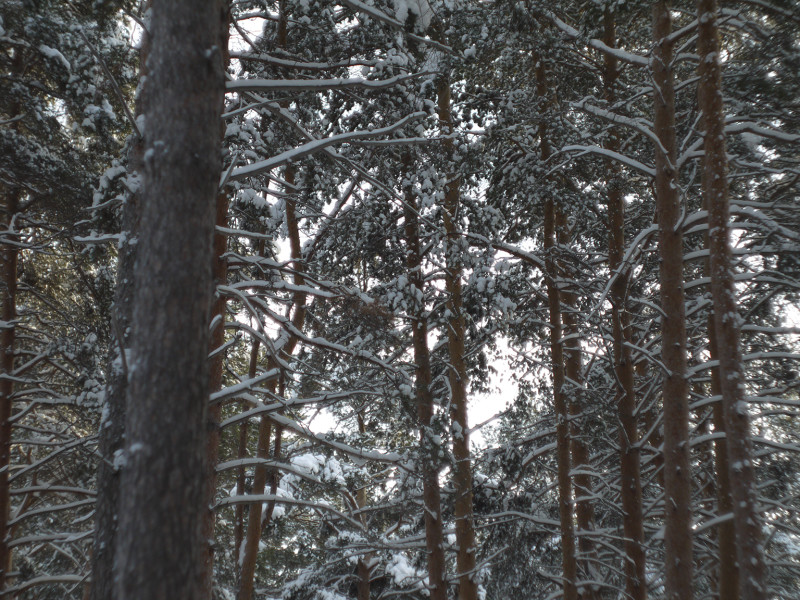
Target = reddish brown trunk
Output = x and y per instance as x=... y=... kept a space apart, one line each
x=678 y=561
x=457 y=373
x=568 y=561
x=747 y=520
x=431 y=496
x=630 y=477
x=262 y=473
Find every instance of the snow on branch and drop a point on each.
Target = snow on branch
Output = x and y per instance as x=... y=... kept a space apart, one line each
x=317 y=145
x=311 y=85
x=621 y=158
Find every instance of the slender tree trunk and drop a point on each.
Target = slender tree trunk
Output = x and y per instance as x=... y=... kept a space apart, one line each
x=112 y=426
x=630 y=477
x=574 y=397
x=747 y=520
x=364 y=567
x=679 y=565
x=262 y=473
x=162 y=503
x=457 y=372
x=431 y=496
x=569 y=564
x=728 y=575
x=9 y=253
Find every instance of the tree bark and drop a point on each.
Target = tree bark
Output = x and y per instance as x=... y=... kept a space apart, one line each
x=112 y=425
x=569 y=564
x=630 y=456
x=747 y=520
x=457 y=371
x=431 y=496
x=162 y=503
x=678 y=561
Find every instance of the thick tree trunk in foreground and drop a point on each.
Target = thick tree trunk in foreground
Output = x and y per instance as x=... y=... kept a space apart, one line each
x=9 y=254
x=630 y=456
x=678 y=562
x=162 y=503
x=747 y=521
x=569 y=564
x=431 y=496
x=457 y=371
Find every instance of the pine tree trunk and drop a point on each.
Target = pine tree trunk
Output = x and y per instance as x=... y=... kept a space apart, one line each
x=112 y=427
x=679 y=565
x=431 y=496
x=630 y=457
x=457 y=372
x=747 y=520
x=9 y=252
x=162 y=505
x=262 y=474
x=569 y=564
x=574 y=397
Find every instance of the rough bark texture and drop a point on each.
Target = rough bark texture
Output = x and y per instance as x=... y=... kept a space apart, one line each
x=457 y=371
x=678 y=561
x=112 y=427
x=162 y=504
x=569 y=564
x=747 y=521
x=431 y=496
x=630 y=456
x=9 y=253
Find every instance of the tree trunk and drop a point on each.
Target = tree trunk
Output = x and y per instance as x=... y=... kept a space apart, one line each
x=747 y=520
x=678 y=561
x=162 y=503
x=9 y=252
x=457 y=371
x=574 y=398
x=630 y=457
x=569 y=565
x=431 y=496
x=112 y=426
x=262 y=473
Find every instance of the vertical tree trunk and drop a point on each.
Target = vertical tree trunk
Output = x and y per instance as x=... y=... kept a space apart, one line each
x=112 y=426
x=457 y=371
x=574 y=398
x=364 y=567
x=630 y=477
x=747 y=521
x=162 y=503
x=262 y=474
x=9 y=253
x=569 y=564
x=431 y=496
x=677 y=475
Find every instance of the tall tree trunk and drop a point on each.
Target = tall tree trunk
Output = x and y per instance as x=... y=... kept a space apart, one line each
x=678 y=561
x=747 y=520
x=162 y=505
x=630 y=457
x=262 y=474
x=217 y=361
x=9 y=252
x=574 y=397
x=112 y=426
x=364 y=567
x=457 y=371
x=569 y=564
x=728 y=574
x=431 y=496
